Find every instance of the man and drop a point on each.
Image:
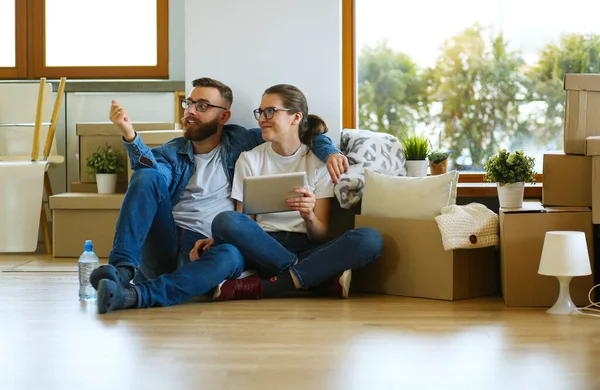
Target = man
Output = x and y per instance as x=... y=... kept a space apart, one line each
x=175 y=192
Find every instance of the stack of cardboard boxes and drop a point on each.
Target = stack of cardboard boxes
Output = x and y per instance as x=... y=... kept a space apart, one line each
x=83 y=214
x=414 y=263
x=569 y=185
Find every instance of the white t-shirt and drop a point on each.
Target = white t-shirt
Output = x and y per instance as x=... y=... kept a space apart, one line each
x=262 y=160
x=206 y=195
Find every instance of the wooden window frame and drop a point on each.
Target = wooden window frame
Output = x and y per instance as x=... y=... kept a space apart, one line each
x=31 y=49
x=349 y=99
x=20 y=68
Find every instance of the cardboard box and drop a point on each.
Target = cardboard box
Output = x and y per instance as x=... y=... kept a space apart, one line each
x=152 y=139
x=592 y=145
x=593 y=150
x=94 y=135
x=77 y=217
x=596 y=262
x=522 y=233
x=595 y=189
x=582 y=111
x=413 y=263
x=92 y=188
x=567 y=180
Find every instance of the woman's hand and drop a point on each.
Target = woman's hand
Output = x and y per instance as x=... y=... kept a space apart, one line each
x=304 y=204
x=337 y=164
x=201 y=245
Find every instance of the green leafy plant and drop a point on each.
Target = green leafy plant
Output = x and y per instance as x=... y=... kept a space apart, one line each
x=415 y=147
x=507 y=168
x=105 y=160
x=438 y=156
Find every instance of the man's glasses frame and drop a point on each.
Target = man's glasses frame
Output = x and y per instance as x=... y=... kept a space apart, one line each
x=201 y=105
x=268 y=112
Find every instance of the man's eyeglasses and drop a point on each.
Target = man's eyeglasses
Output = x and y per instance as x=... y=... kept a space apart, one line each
x=201 y=105
x=269 y=112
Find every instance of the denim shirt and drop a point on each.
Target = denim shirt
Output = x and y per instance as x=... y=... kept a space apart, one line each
x=175 y=159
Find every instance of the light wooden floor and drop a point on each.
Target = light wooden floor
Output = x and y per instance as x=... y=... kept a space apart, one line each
x=49 y=340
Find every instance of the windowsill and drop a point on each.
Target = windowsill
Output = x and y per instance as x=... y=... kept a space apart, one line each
x=489 y=190
x=109 y=85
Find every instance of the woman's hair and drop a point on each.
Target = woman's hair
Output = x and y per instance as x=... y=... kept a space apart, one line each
x=294 y=100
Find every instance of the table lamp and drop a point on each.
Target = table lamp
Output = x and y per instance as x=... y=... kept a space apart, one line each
x=564 y=255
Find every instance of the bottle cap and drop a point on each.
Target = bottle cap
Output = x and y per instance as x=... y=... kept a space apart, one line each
x=88 y=247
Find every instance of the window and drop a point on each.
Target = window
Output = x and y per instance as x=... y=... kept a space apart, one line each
x=80 y=39
x=473 y=76
x=8 y=32
x=12 y=45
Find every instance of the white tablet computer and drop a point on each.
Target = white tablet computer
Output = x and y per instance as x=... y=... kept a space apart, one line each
x=267 y=194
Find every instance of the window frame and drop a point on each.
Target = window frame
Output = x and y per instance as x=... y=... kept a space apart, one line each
x=20 y=68
x=31 y=47
x=350 y=98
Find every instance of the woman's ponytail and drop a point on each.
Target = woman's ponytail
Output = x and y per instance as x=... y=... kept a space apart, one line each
x=310 y=127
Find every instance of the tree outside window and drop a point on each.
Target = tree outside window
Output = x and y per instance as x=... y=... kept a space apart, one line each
x=481 y=94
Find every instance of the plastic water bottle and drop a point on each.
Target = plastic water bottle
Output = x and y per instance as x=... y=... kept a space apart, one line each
x=87 y=262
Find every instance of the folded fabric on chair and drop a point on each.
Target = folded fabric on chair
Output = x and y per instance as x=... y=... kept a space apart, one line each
x=466 y=227
x=21 y=196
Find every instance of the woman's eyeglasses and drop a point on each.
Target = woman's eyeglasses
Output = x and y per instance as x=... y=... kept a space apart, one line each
x=201 y=106
x=268 y=112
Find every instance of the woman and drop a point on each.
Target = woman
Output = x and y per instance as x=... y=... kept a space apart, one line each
x=287 y=249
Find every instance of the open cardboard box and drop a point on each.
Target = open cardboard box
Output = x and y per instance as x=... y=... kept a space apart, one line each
x=414 y=263
x=94 y=134
x=522 y=233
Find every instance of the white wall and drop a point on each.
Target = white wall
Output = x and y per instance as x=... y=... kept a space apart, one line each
x=251 y=45
x=176 y=40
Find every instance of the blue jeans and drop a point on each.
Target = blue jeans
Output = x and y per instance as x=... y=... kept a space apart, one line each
x=193 y=279
x=148 y=240
x=311 y=263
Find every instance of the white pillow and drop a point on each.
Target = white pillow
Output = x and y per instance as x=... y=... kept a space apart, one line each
x=408 y=197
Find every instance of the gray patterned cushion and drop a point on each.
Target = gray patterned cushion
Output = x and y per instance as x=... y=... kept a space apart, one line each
x=380 y=152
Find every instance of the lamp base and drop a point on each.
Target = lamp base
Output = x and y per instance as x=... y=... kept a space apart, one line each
x=564 y=304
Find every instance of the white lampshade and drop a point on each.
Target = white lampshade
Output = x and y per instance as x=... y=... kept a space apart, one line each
x=565 y=254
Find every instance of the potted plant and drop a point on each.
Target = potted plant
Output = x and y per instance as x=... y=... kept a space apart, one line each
x=438 y=162
x=416 y=148
x=510 y=171
x=105 y=163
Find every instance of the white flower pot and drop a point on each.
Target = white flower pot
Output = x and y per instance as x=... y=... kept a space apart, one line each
x=416 y=168
x=106 y=182
x=511 y=195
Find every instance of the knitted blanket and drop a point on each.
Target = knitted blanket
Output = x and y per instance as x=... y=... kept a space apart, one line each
x=380 y=152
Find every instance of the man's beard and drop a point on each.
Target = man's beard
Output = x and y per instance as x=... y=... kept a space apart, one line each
x=201 y=131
